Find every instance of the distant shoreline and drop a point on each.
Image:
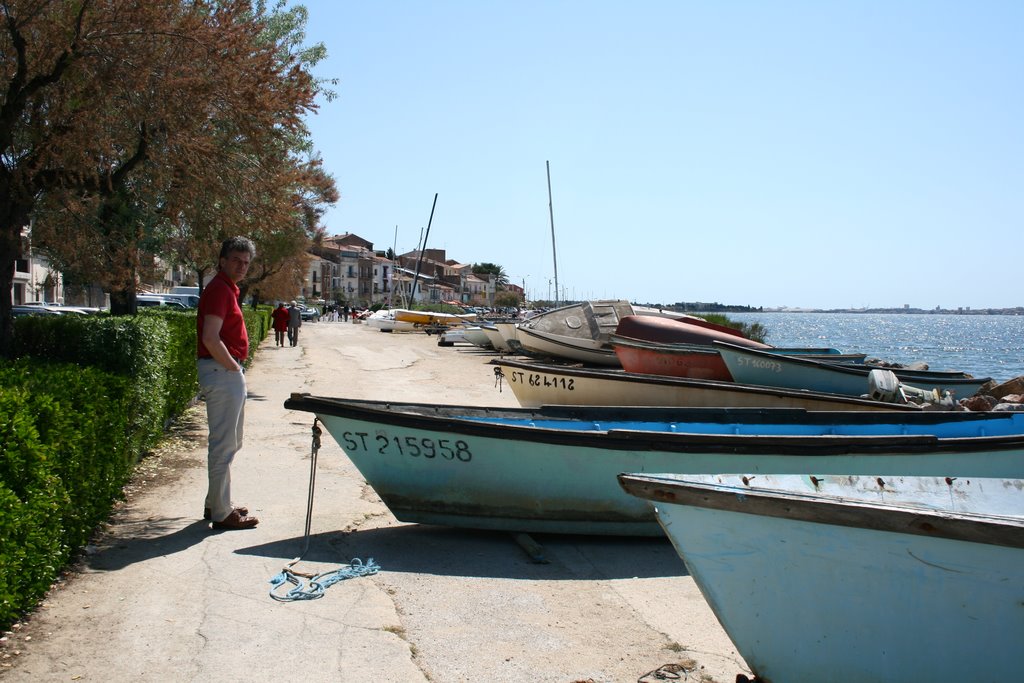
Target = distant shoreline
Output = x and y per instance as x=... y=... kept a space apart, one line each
x=702 y=307
x=918 y=311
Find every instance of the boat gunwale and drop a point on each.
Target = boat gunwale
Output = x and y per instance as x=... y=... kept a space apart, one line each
x=412 y=415
x=828 y=509
x=615 y=375
x=665 y=347
x=821 y=354
x=906 y=375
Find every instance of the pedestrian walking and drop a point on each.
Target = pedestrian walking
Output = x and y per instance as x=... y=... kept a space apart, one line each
x=280 y=317
x=222 y=345
x=294 y=323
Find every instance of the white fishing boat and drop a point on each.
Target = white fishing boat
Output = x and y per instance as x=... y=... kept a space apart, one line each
x=475 y=335
x=384 y=320
x=579 y=332
x=453 y=336
x=509 y=332
x=495 y=338
x=854 y=578
x=551 y=346
x=582 y=332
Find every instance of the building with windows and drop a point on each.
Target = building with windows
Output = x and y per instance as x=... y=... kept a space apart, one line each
x=34 y=279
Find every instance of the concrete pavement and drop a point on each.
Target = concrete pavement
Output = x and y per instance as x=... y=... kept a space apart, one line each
x=160 y=597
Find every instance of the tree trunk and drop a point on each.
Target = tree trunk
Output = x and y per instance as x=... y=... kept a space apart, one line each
x=122 y=303
x=10 y=248
x=12 y=221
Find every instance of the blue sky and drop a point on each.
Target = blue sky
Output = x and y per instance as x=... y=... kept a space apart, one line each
x=804 y=154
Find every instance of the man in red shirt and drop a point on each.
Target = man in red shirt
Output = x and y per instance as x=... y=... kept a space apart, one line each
x=222 y=345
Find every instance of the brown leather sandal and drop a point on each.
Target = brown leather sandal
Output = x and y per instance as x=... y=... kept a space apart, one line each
x=236 y=520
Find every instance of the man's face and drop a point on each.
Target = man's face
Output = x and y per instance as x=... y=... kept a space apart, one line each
x=235 y=265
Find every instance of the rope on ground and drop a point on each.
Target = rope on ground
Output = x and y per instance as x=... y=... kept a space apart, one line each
x=320 y=582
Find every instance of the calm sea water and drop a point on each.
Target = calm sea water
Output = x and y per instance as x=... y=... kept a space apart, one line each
x=983 y=345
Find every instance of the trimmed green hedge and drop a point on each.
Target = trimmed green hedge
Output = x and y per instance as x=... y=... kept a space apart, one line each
x=66 y=449
x=84 y=399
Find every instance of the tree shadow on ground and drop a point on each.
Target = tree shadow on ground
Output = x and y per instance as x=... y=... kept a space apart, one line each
x=143 y=540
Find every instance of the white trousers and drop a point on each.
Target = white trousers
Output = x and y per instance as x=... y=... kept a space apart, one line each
x=225 y=412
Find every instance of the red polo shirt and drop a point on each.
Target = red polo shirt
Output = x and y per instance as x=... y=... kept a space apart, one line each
x=220 y=298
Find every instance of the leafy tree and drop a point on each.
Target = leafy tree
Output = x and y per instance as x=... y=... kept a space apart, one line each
x=507 y=299
x=485 y=269
x=116 y=116
x=274 y=191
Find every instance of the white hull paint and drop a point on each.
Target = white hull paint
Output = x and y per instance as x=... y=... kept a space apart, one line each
x=384 y=320
x=592 y=351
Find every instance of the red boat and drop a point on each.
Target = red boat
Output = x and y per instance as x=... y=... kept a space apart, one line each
x=651 y=328
x=691 y=361
x=675 y=348
x=682 y=348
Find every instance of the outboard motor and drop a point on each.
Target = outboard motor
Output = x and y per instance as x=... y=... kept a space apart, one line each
x=929 y=397
x=884 y=386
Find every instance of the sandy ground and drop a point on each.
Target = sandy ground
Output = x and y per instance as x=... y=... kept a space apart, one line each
x=160 y=597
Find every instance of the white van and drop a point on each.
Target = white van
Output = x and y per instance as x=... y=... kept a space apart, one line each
x=186 y=300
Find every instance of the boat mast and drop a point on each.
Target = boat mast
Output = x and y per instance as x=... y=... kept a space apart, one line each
x=423 y=248
x=551 y=213
x=394 y=262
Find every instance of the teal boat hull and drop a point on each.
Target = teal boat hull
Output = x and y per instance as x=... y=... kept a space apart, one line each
x=852 y=579
x=553 y=470
x=752 y=366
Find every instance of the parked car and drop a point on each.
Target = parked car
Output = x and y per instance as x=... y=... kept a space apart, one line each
x=309 y=313
x=146 y=300
x=32 y=309
x=186 y=300
x=49 y=308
